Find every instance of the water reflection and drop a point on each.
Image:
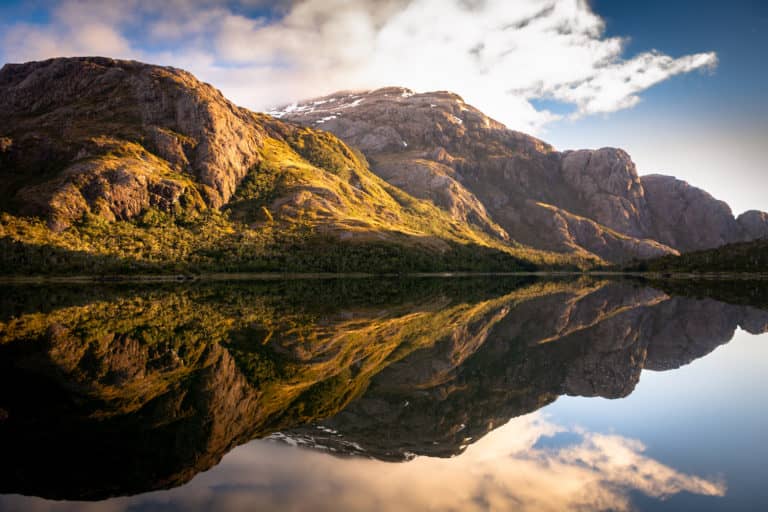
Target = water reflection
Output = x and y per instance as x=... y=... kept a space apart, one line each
x=113 y=391
x=505 y=470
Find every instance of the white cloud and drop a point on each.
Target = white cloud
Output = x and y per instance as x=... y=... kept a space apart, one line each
x=505 y=470
x=499 y=55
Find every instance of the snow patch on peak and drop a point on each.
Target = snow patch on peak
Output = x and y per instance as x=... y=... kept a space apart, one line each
x=293 y=108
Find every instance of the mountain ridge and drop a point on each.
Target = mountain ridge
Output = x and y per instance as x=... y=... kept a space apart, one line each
x=540 y=196
x=92 y=140
x=137 y=167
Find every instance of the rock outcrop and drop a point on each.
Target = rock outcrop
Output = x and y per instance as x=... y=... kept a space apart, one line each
x=689 y=218
x=587 y=201
x=115 y=139
x=754 y=224
x=124 y=133
x=112 y=139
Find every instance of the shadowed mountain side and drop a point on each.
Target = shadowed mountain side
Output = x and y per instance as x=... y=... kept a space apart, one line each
x=745 y=257
x=435 y=146
x=144 y=387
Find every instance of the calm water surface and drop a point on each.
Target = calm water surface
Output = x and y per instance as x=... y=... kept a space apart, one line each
x=403 y=394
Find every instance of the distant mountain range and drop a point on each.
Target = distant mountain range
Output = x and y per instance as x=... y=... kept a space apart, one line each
x=131 y=166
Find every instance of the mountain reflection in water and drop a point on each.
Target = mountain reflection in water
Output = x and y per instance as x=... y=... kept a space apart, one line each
x=118 y=390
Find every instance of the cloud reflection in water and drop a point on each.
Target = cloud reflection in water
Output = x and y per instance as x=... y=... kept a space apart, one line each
x=516 y=466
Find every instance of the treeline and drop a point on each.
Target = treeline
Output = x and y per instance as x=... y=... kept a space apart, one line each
x=211 y=242
x=744 y=257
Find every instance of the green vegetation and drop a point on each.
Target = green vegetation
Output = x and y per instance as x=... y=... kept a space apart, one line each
x=288 y=215
x=158 y=242
x=115 y=199
x=325 y=151
x=746 y=257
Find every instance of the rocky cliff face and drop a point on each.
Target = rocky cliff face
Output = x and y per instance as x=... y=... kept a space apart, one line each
x=754 y=224
x=97 y=136
x=690 y=219
x=119 y=136
x=92 y=137
x=437 y=147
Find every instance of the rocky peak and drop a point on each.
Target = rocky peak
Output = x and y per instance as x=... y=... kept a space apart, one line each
x=754 y=224
x=54 y=108
x=398 y=119
x=687 y=217
x=609 y=189
x=437 y=147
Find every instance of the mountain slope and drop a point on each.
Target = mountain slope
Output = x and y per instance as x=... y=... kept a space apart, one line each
x=749 y=257
x=437 y=147
x=190 y=178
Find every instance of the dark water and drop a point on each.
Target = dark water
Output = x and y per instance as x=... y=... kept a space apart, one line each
x=404 y=394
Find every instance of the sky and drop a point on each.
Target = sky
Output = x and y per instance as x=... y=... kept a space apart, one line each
x=679 y=85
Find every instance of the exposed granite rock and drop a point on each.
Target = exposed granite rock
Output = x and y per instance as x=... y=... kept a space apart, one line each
x=117 y=188
x=754 y=224
x=595 y=201
x=609 y=189
x=114 y=138
x=555 y=228
x=96 y=136
x=61 y=104
x=687 y=217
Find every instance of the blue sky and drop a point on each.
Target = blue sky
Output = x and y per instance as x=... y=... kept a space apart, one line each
x=678 y=84
x=737 y=31
x=708 y=128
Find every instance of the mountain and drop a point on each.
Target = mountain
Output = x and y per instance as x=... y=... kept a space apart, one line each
x=587 y=202
x=746 y=257
x=128 y=166
x=118 y=389
x=110 y=166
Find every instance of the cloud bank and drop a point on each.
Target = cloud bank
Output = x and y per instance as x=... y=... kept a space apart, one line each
x=498 y=55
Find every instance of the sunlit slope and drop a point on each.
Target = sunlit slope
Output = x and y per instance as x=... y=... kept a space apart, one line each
x=110 y=165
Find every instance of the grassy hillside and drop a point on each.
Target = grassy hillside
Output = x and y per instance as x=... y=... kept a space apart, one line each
x=288 y=215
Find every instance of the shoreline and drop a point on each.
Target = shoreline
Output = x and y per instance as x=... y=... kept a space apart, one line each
x=278 y=276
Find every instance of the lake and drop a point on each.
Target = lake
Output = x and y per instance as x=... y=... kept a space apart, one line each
x=428 y=393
